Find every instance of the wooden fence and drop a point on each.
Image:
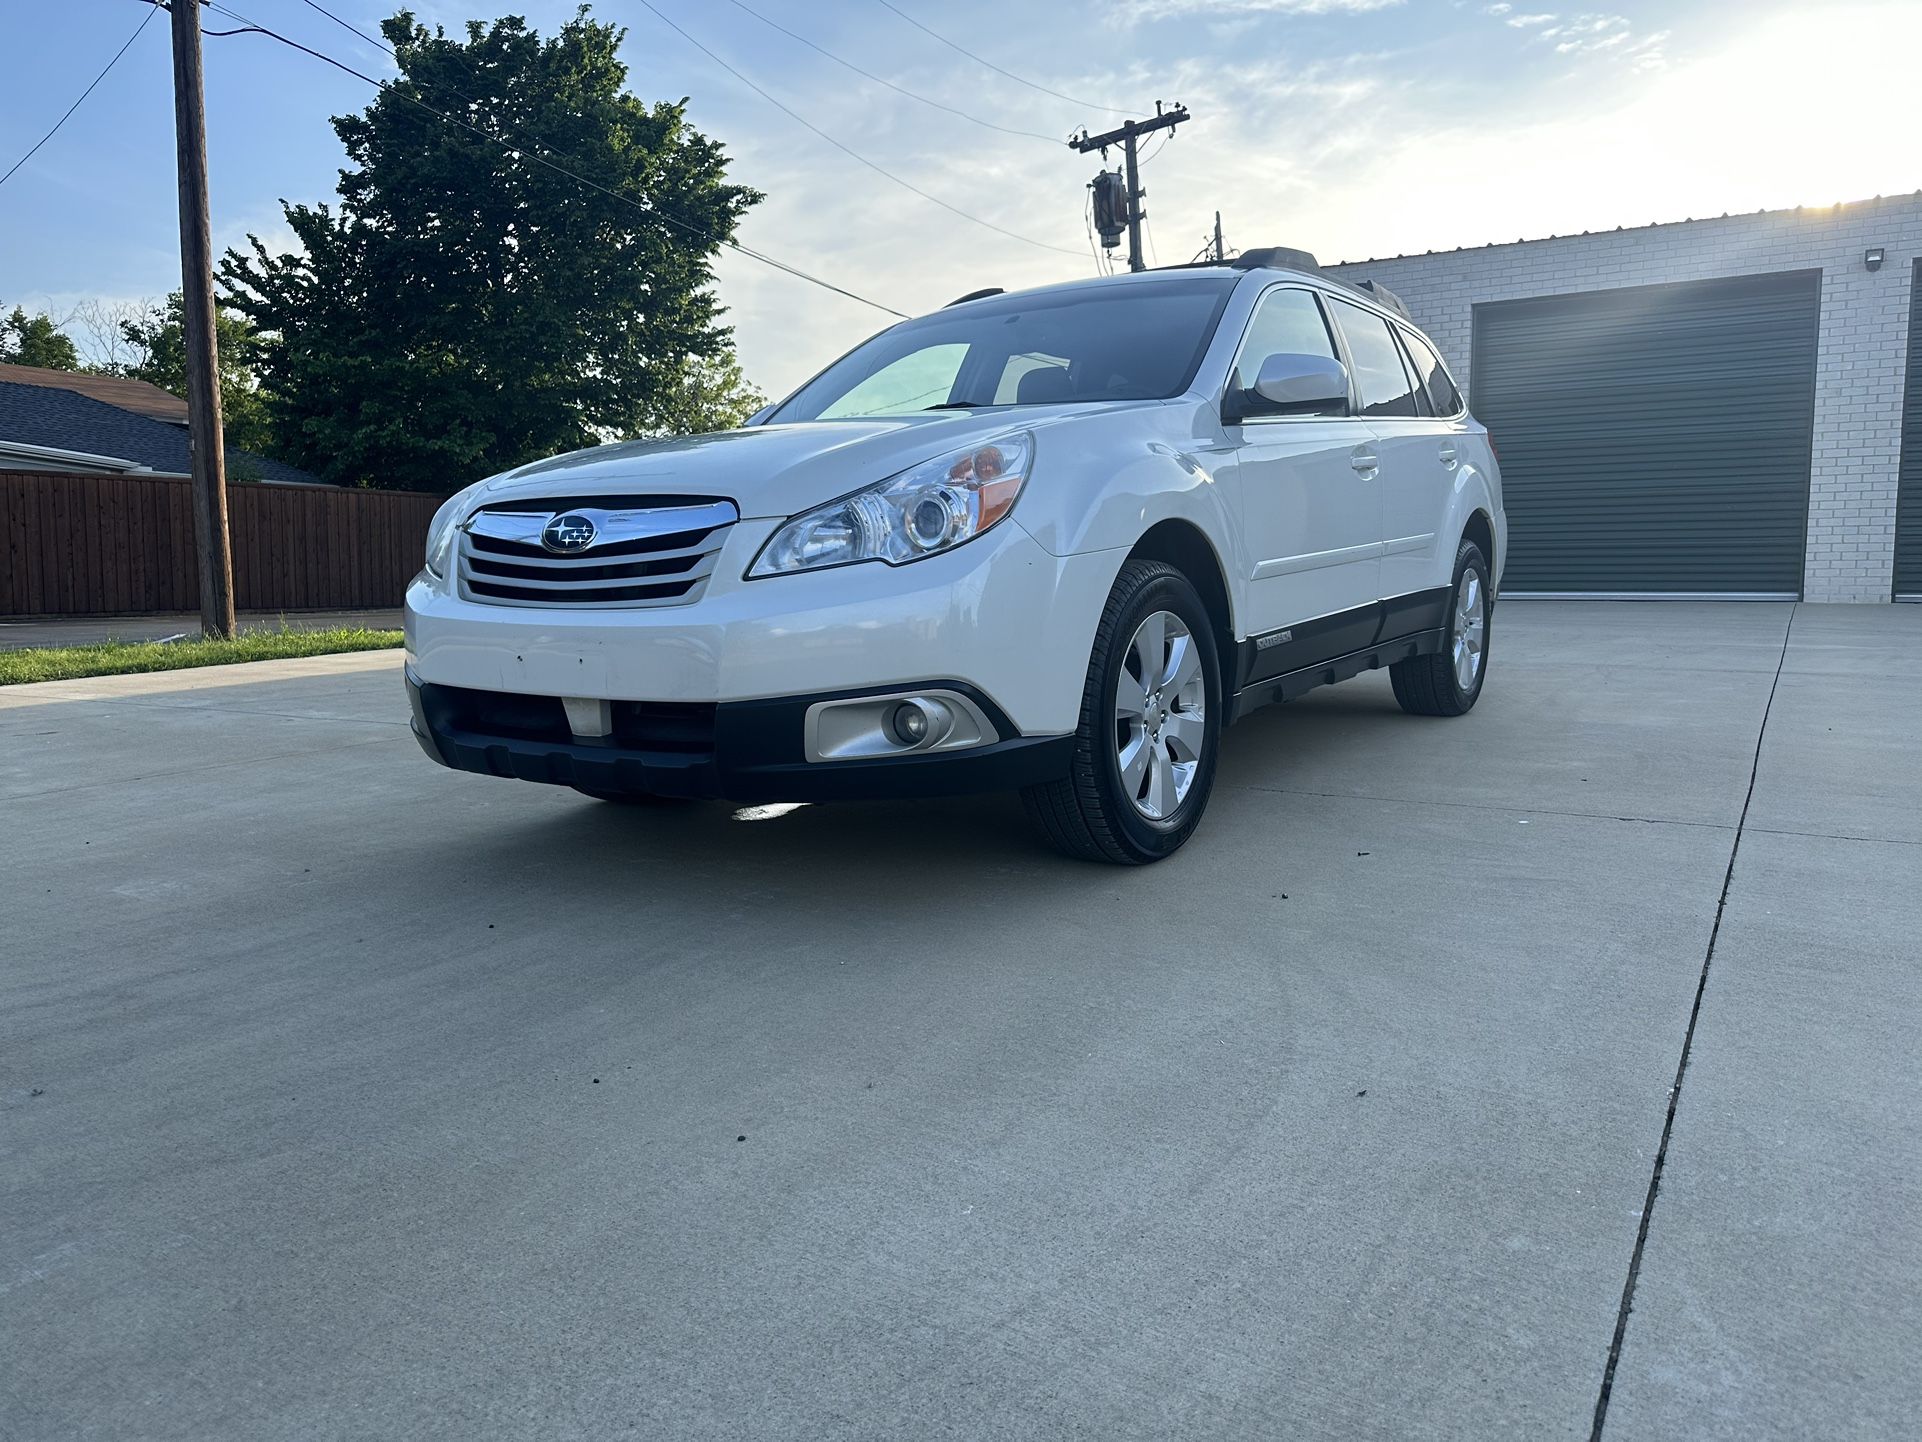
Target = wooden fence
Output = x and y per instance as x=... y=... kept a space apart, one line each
x=77 y=545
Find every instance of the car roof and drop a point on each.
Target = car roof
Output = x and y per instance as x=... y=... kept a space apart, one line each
x=1087 y=283
x=1200 y=272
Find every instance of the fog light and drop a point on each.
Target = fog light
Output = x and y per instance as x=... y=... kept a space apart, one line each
x=853 y=728
x=910 y=723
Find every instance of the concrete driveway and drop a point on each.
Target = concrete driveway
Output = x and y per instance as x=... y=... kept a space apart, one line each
x=349 y=1097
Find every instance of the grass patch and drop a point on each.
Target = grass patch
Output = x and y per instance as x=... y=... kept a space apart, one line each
x=120 y=658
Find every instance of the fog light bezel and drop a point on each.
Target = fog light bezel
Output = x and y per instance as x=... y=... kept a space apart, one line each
x=863 y=728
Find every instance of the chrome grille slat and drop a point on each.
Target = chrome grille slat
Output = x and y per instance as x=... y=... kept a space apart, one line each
x=610 y=556
x=641 y=556
x=623 y=524
x=699 y=571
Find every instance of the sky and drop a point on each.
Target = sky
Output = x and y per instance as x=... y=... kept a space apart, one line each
x=1349 y=128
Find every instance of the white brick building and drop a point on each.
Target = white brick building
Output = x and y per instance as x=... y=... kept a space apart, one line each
x=1825 y=323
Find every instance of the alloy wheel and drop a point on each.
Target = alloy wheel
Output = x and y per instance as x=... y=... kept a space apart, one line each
x=1160 y=715
x=1470 y=631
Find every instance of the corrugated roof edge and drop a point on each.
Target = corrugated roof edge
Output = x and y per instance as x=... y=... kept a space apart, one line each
x=1625 y=229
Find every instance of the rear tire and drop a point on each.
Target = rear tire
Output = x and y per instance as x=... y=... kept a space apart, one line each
x=1449 y=682
x=1150 y=727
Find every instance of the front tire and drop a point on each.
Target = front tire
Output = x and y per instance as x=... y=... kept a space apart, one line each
x=1150 y=727
x=1449 y=682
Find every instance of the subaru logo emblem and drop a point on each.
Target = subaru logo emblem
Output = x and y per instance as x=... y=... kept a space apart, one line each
x=568 y=533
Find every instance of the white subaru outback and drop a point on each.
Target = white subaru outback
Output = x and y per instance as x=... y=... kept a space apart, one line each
x=1051 y=541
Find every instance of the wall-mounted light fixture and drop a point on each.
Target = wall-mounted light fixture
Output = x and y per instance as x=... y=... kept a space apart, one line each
x=1873 y=257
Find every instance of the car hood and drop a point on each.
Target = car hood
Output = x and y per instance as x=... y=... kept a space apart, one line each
x=771 y=470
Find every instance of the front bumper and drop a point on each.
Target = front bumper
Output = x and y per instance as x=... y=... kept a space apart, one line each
x=742 y=751
x=1000 y=613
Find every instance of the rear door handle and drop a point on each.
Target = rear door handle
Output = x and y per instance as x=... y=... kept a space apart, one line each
x=1448 y=455
x=1363 y=461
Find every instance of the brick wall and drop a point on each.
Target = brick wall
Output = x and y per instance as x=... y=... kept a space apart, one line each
x=1859 y=364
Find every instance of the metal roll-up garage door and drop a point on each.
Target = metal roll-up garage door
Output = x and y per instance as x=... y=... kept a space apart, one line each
x=1908 y=504
x=1654 y=440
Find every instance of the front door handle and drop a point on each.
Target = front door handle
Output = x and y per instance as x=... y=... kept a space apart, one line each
x=1363 y=460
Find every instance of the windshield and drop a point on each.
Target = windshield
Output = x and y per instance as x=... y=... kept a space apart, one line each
x=1133 y=342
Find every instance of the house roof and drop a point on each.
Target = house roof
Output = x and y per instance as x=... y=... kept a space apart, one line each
x=136 y=396
x=63 y=420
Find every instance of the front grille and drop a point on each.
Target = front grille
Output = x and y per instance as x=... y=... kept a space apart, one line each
x=644 y=551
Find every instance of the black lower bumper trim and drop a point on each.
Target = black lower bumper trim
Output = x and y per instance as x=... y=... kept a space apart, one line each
x=748 y=751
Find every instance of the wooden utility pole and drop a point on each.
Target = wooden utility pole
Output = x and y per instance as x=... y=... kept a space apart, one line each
x=1221 y=251
x=197 y=323
x=1126 y=135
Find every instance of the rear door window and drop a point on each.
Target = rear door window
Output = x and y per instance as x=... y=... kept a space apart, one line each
x=1386 y=389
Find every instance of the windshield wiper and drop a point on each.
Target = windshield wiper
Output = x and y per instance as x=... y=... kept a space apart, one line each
x=954 y=406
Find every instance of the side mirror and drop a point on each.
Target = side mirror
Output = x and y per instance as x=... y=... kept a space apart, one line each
x=1288 y=385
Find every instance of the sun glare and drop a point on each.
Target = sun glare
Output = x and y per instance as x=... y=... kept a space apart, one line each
x=1802 y=109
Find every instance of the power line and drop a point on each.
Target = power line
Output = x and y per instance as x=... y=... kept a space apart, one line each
x=67 y=114
x=881 y=80
x=979 y=60
x=792 y=35
x=800 y=119
x=348 y=26
x=522 y=148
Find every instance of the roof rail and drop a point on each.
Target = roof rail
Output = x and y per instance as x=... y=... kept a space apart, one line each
x=1285 y=256
x=1382 y=296
x=977 y=295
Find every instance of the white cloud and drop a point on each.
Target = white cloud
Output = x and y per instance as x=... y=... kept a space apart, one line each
x=1497 y=9
x=1587 y=32
x=1647 y=53
x=1136 y=11
x=1264 y=128
x=1592 y=33
x=1706 y=136
x=1326 y=153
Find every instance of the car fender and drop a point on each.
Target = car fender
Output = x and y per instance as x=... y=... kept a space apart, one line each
x=1099 y=490
x=1475 y=488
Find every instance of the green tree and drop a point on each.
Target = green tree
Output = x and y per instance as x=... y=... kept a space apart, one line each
x=712 y=395
x=36 y=341
x=467 y=308
x=156 y=339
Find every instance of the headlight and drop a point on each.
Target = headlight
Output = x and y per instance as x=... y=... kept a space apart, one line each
x=441 y=531
x=932 y=507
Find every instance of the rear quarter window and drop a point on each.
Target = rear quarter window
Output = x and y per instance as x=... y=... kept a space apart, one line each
x=1434 y=375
